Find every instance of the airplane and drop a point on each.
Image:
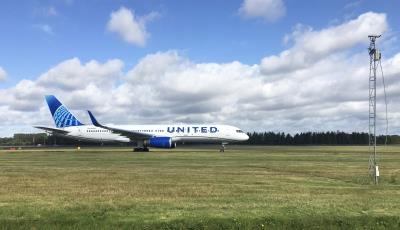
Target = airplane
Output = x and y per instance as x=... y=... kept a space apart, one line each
x=156 y=136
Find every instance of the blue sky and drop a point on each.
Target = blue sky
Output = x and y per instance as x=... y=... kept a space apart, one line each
x=207 y=31
x=41 y=35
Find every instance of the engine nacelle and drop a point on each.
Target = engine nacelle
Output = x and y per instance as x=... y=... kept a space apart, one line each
x=161 y=142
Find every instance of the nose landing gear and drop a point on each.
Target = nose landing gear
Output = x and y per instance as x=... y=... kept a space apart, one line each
x=222 y=149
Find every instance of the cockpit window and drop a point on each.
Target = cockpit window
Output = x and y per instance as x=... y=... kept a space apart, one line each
x=239 y=131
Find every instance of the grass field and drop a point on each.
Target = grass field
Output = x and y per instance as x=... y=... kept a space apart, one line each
x=243 y=188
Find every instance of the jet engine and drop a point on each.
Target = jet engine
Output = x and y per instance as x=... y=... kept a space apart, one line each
x=161 y=142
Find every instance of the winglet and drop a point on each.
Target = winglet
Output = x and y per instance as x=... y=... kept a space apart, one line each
x=93 y=119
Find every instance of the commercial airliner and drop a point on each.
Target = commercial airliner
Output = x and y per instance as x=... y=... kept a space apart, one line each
x=157 y=136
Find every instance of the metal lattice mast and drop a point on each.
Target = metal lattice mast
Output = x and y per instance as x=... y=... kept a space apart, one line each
x=374 y=58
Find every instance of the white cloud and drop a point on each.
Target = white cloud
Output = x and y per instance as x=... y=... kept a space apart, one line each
x=46 y=11
x=69 y=2
x=3 y=74
x=77 y=85
x=130 y=28
x=269 y=10
x=327 y=92
x=186 y=91
x=352 y=4
x=44 y=28
x=71 y=74
x=310 y=46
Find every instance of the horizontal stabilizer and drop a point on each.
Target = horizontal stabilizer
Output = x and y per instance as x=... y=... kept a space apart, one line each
x=52 y=130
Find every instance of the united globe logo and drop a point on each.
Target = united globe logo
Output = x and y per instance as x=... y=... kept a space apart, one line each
x=63 y=118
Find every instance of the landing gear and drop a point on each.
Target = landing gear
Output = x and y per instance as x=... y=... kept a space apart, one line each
x=140 y=149
x=222 y=149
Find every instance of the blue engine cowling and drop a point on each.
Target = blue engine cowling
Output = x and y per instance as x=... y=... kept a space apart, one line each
x=161 y=142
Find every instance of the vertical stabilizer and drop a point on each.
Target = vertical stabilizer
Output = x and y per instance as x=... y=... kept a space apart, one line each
x=61 y=115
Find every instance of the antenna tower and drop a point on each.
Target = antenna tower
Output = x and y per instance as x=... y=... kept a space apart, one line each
x=375 y=57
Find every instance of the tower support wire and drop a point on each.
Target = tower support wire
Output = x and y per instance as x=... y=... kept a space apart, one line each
x=386 y=104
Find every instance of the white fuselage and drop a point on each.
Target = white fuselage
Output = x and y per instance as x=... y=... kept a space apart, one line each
x=177 y=133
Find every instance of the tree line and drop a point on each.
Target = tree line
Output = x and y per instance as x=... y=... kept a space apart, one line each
x=255 y=138
x=316 y=138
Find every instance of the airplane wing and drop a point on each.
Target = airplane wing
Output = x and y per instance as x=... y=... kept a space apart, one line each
x=52 y=130
x=123 y=132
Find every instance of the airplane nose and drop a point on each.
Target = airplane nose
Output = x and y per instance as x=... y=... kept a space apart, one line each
x=246 y=137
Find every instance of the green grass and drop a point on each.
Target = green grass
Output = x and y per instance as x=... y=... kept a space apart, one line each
x=243 y=188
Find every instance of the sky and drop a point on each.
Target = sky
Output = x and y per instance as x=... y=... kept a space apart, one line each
x=262 y=65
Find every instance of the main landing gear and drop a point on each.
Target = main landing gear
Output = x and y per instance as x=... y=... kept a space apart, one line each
x=140 y=149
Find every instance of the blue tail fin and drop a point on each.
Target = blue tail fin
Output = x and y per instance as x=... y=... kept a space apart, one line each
x=61 y=115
